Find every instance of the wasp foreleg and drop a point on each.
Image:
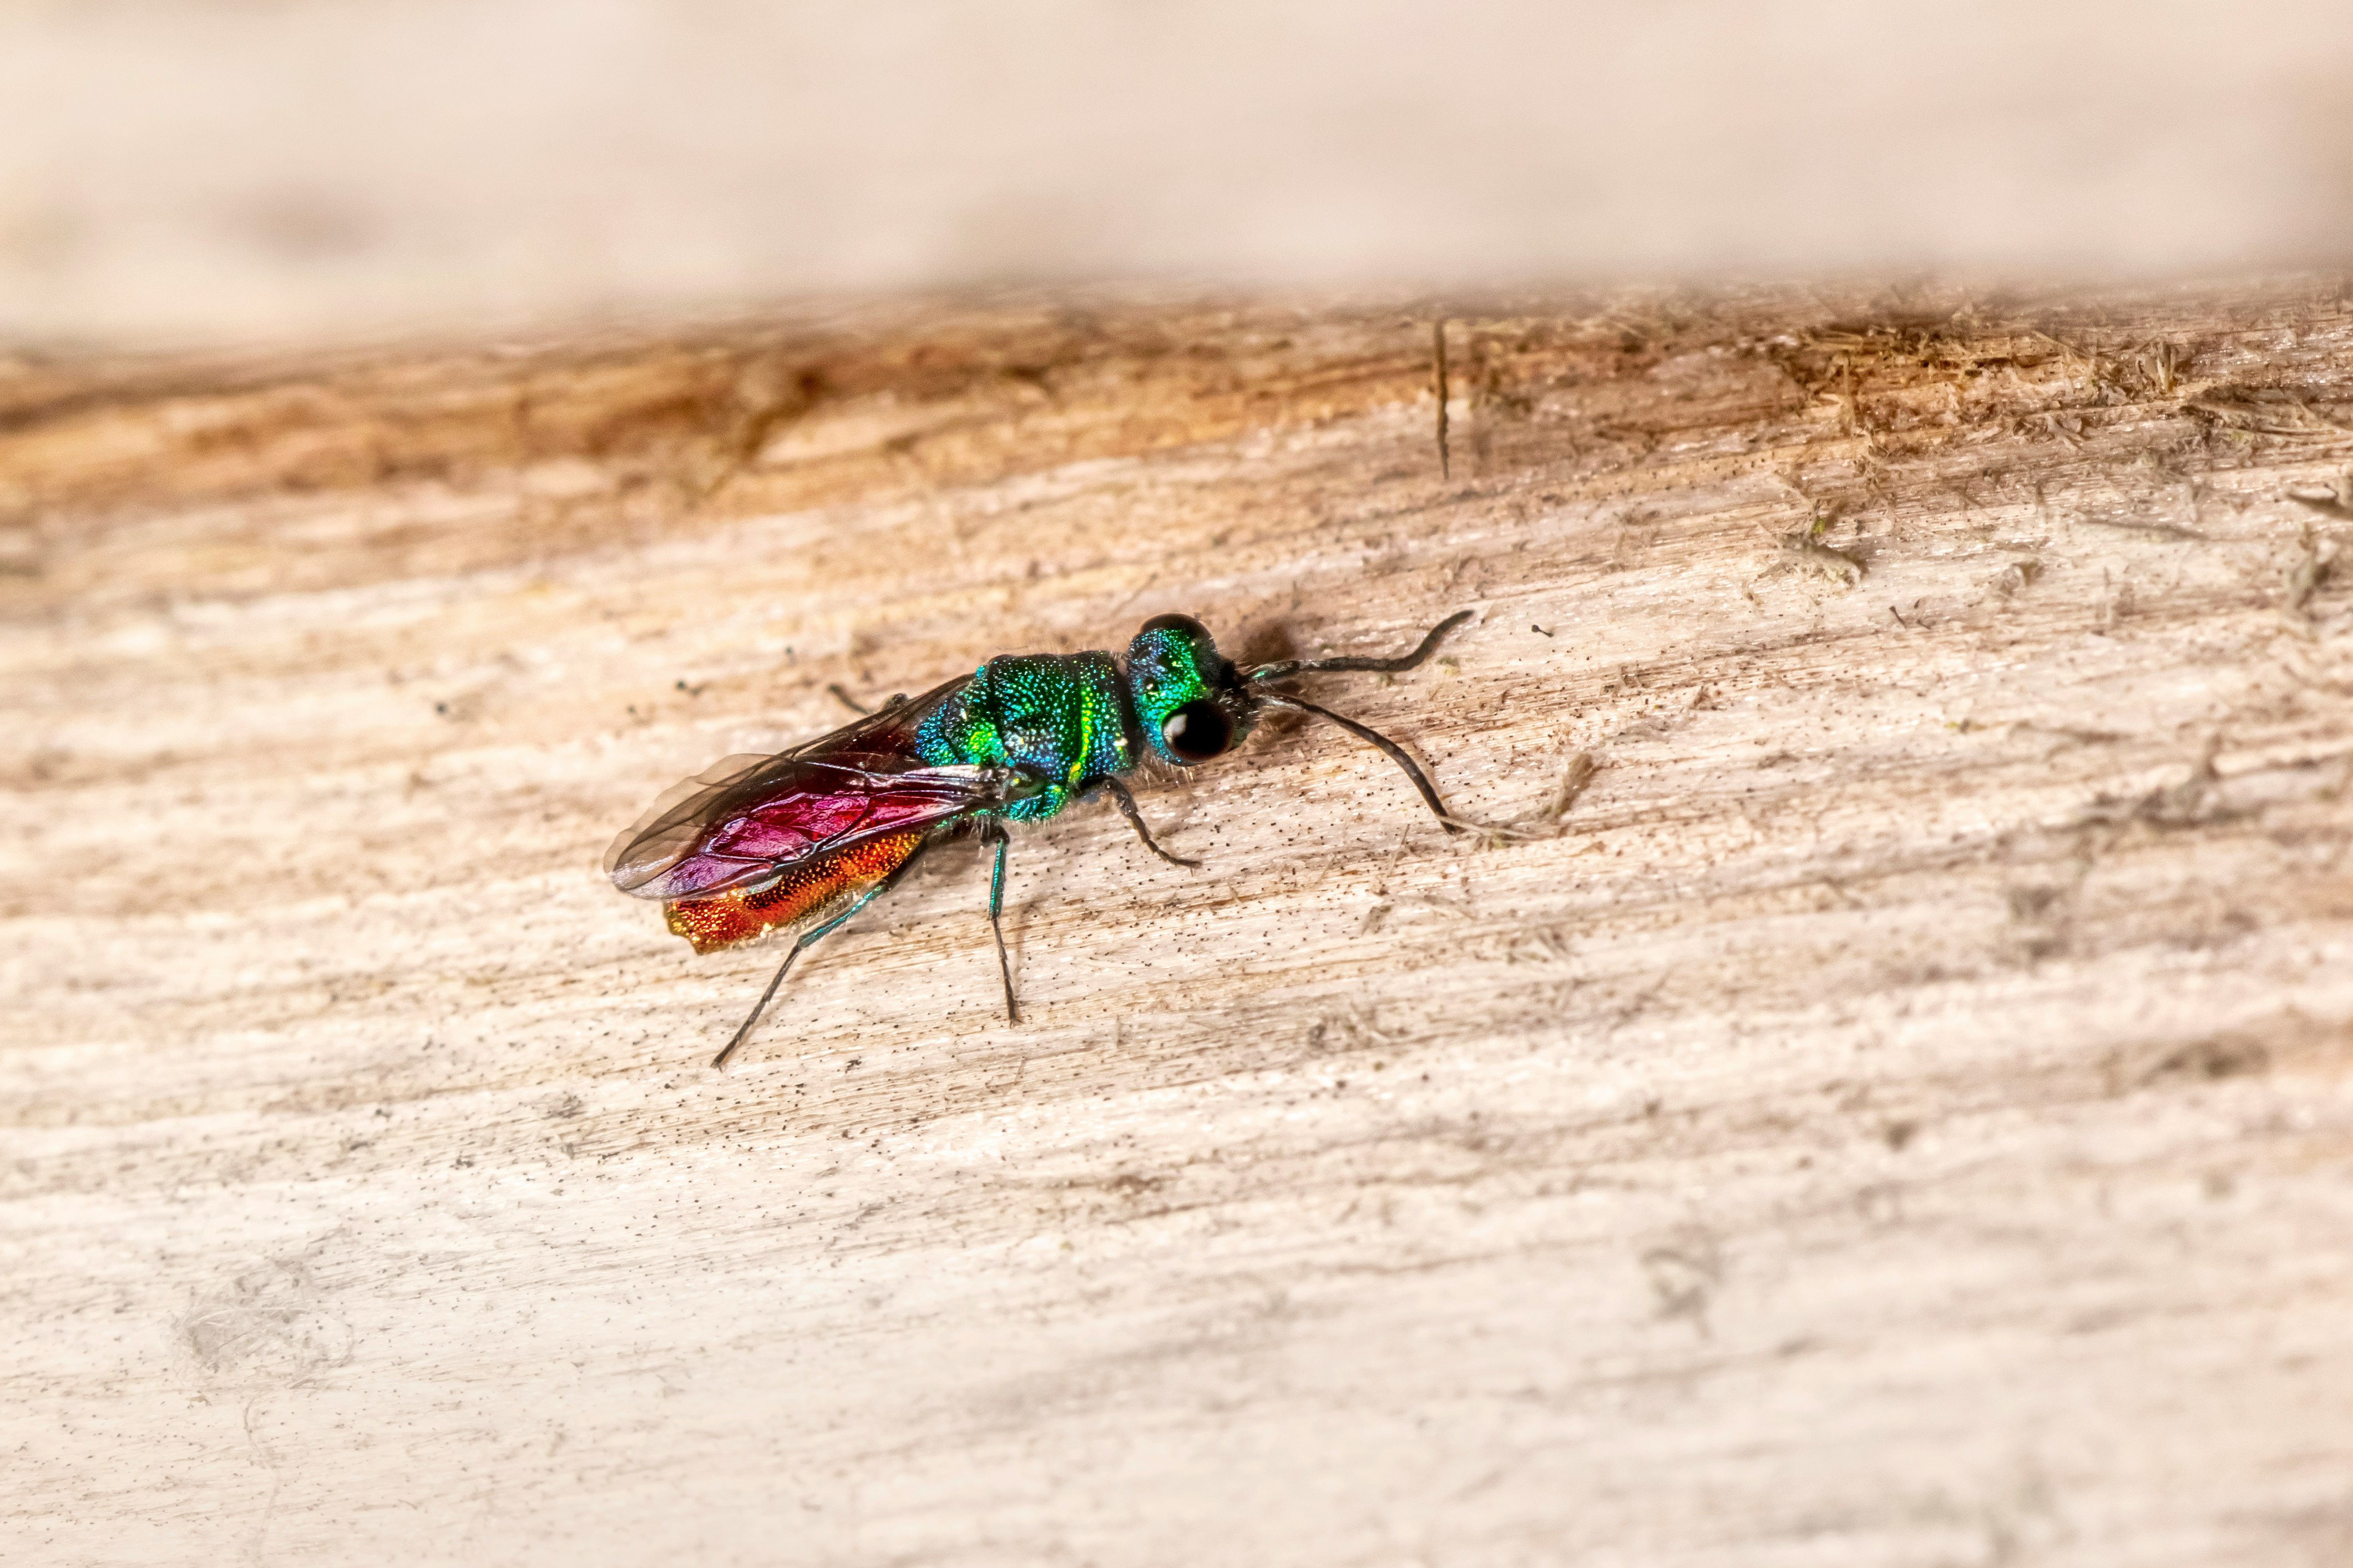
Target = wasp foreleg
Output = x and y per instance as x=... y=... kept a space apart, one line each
x=1126 y=804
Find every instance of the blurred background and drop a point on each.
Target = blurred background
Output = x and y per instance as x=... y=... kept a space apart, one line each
x=190 y=171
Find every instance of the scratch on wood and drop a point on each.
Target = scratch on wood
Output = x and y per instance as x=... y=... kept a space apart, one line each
x=1438 y=362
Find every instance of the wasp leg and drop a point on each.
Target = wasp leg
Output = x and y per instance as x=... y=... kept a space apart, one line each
x=855 y=706
x=994 y=834
x=1126 y=804
x=808 y=938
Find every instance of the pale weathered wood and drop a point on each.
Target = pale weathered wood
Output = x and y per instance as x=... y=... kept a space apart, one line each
x=1900 y=1118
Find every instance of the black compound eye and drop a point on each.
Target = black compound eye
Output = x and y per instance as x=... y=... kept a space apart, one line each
x=1197 y=731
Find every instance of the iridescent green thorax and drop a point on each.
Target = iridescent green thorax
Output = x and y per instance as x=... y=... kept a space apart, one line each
x=1060 y=718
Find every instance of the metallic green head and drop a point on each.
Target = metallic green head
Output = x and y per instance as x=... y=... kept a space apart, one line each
x=1190 y=701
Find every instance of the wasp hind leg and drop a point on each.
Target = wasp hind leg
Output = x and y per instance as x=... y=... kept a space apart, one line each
x=808 y=938
x=855 y=706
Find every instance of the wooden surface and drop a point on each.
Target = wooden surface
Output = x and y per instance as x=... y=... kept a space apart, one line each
x=1899 y=1117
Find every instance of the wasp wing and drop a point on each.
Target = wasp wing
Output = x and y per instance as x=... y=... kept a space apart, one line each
x=748 y=819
